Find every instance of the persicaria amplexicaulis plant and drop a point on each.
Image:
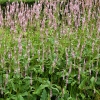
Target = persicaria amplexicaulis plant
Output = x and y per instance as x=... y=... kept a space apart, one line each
x=50 y=50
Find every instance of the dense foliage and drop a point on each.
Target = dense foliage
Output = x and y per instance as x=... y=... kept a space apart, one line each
x=50 y=50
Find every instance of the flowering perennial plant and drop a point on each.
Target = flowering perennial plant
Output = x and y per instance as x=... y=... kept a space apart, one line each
x=50 y=50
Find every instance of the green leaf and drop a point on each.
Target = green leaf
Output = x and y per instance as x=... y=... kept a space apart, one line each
x=20 y=97
x=6 y=99
x=82 y=95
x=92 y=81
x=12 y=84
x=44 y=95
x=70 y=98
x=98 y=81
x=73 y=83
x=49 y=97
x=82 y=84
x=60 y=99
x=41 y=87
x=27 y=78
x=25 y=94
x=32 y=97
x=98 y=92
x=13 y=97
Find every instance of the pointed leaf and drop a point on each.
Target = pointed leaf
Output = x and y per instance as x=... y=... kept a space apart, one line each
x=41 y=87
x=44 y=95
x=20 y=97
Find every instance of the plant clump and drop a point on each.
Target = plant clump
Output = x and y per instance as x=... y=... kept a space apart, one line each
x=50 y=50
